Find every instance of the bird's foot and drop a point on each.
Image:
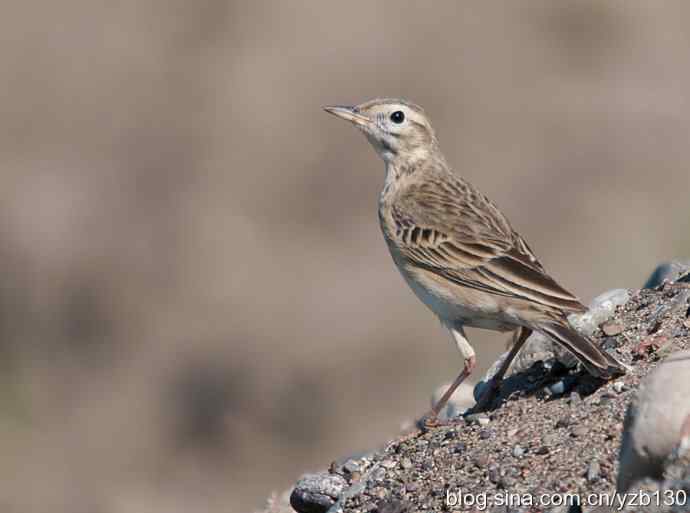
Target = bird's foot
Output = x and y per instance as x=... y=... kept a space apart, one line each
x=430 y=421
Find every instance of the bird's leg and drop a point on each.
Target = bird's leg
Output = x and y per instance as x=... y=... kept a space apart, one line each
x=467 y=352
x=494 y=384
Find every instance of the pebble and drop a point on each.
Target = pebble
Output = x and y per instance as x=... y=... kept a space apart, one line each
x=485 y=434
x=593 y=471
x=612 y=328
x=666 y=271
x=579 y=431
x=379 y=474
x=605 y=399
x=610 y=344
x=653 y=421
x=478 y=418
x=406 y=463
x=315 y=493
x=494 y=475
x=481 y=460
x=388 y=464
x=450 y=435
x=518 y=451
x=352 y=466
x=557 y=388
x=600 y=310
x=563 y=422
x=480 y=387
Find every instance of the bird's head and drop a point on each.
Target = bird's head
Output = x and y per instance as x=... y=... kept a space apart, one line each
x=398 y=130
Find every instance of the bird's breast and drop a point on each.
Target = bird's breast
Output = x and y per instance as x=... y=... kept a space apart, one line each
x=456 y=304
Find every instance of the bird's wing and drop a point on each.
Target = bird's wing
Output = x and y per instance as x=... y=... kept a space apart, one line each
x=455 y=232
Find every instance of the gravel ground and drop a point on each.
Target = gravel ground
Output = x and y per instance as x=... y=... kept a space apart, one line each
x=552 y=431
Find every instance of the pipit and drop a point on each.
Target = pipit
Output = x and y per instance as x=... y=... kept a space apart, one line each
x=458 y=252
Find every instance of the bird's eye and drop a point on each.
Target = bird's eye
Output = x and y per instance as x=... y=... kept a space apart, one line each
x=398 y=117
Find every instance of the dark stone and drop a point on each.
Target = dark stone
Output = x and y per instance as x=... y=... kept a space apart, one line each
x=485 y=434
x=315 y=493
x=670 y=271
x=593 y=471
x=450 y=435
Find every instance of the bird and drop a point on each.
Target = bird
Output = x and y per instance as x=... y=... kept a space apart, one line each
x=459 y=253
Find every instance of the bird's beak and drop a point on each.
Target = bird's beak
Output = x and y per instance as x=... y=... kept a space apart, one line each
x=349 y=114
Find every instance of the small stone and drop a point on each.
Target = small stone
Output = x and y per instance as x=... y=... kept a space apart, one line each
x=518 y=451
x=512 y=432
x=653 y=421
x=605 y=399
x=352 y=466
x=450 y=434
x=650 y=345
x=563 y=422
x=411 y=487
x=388 y=464
x=406 y=463
x=506 y=482
x=610 y=344
x=579 y=431
x=612 y=328
x=460 y=448
x=316 y=493
x=542 y=450
x=379 y=474
x=478 y=418
x=593 y=471
x=667 y=271
x=481 y=386
x=494 y=475
x=557 y=388
x=485 y=434
x=481 y=460
x=600 y=310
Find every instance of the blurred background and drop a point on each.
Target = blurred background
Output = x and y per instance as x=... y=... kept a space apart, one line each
x=196 y=304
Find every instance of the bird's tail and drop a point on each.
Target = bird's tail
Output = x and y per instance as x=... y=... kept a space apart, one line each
x=598 y=362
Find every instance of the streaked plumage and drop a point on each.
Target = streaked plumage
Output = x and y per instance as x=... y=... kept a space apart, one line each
x=455 y=248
